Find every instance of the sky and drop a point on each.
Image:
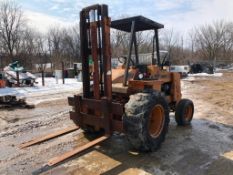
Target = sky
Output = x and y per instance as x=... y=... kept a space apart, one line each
x=179 y=15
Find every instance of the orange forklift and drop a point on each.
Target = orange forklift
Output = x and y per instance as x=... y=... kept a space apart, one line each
x=134 y=98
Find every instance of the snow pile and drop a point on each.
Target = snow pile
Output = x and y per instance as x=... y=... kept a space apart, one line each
x=51 y=87
x=228 y=67
x=205 y=75
x=224 y=69
x=201 y=76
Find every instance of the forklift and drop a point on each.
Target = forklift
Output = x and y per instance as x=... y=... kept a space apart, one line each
x=134 y=98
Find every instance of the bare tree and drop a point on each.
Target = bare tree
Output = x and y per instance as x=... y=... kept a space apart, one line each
x=25 y=48
x=169 y=39
x=76 y=42
x=210 y=39
x=71 y=45
x=214 y=42
x=40 y=50
x=64 y=45
x=119 y=42
x=170 y=43
x=227 y=47
x=191 y=42
x=55 y=45
x=11 y=26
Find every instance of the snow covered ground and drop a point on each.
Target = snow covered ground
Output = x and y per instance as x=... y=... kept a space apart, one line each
x=56 y=90
x=192 y=77
x=205 y=75
x=50 y=91
x=54 y=87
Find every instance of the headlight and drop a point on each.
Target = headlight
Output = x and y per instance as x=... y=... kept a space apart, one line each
x=140 y=76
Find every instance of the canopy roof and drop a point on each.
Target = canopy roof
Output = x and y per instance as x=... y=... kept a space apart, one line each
x=141 y=23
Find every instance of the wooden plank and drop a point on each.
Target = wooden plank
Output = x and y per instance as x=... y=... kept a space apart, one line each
x=75 y=151
x=47 y=137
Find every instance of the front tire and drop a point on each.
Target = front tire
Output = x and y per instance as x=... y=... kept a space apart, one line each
x=146 y=120
x=184 y=112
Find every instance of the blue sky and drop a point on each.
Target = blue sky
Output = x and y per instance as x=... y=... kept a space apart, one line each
x=63 y=8
x=181 y=15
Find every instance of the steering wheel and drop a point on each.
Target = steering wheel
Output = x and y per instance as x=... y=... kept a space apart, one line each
x=122 y=60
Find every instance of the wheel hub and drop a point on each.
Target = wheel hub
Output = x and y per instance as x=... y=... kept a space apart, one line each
x=188 y=113
x=156 y=121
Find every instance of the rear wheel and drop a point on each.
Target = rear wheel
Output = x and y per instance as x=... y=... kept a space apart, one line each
x=146 y=120
x=184 y=112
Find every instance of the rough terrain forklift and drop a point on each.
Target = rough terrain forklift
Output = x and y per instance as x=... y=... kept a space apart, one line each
x=133 y=98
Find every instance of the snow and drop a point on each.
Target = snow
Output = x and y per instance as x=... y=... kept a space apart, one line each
x=193 y=77
x=54 y=90
x=51 y=87
x=22 y=76
x=205 y=75
x=224 y=69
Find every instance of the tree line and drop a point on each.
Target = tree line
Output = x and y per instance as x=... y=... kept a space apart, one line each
x=20 y=42
x=209 y=42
